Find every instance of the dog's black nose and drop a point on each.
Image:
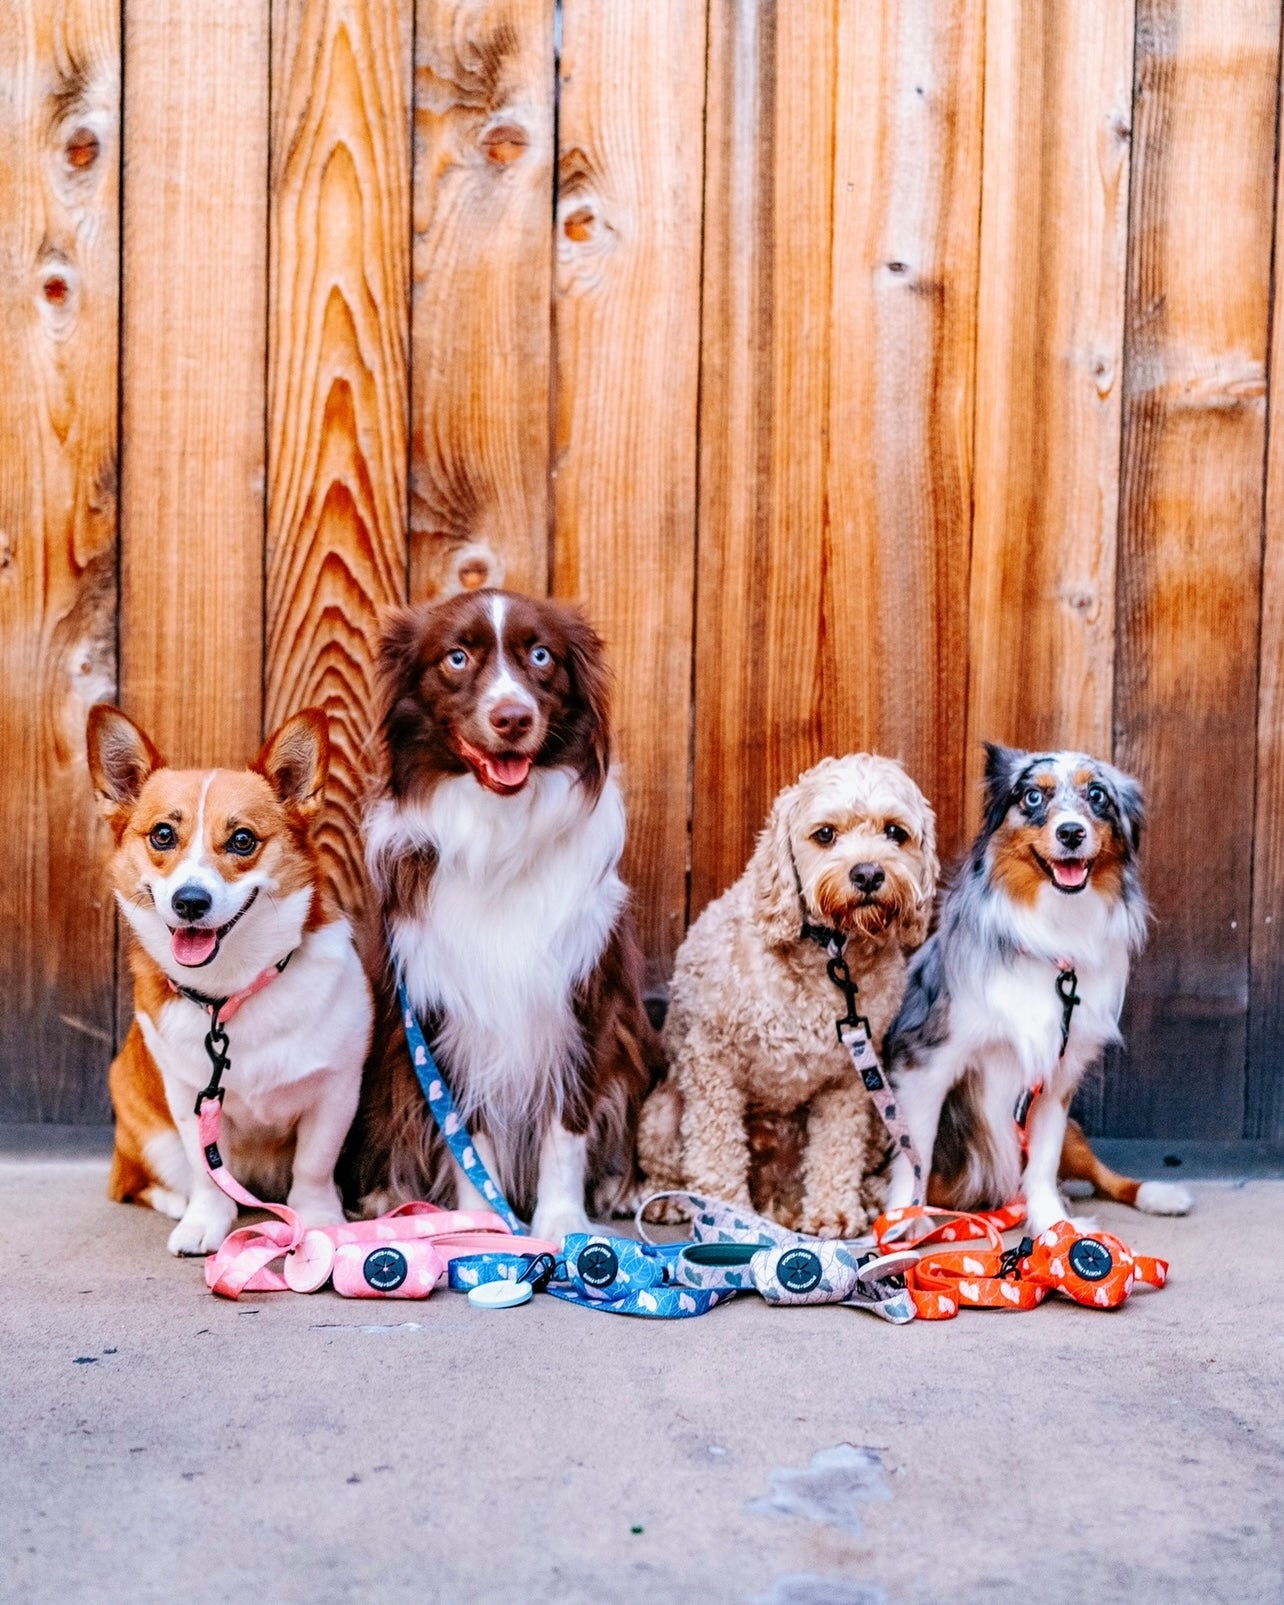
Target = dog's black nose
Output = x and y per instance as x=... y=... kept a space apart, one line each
x=191 y=902
x=511 y=720
x=867 y=878
x=1071 y=835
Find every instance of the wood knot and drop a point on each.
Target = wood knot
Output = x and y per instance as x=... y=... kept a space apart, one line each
x=504 y=143
x=475 y=565
x=82 y=148
x=578 y=225
x=56 y=289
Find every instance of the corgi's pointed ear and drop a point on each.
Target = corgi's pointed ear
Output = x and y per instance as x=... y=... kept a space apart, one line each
x=296 y=760
x=120 y=759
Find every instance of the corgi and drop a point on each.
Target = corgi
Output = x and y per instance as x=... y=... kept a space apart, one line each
x=218 y=881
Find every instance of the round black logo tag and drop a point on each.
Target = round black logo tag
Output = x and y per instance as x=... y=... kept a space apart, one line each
x=799 y=1270
x=1090 y=1259
x=385 y=1269
x=597 y=1265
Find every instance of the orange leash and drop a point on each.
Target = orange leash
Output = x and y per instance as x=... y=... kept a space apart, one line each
x=1097 y=1269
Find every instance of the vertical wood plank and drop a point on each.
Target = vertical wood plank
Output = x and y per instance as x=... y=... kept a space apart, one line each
x=338 y=381
x=59 y=267
x=193 y=364
x=482 y=281
x=1264 y=1105
x=1190 y=542
x=907 y=195
x=764 y=387
x=627 y=342
x=1058 y=93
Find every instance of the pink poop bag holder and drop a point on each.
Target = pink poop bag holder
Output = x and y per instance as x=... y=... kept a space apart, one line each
x=402 y=1254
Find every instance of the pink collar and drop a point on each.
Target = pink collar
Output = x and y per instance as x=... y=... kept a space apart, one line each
x=227 y=1007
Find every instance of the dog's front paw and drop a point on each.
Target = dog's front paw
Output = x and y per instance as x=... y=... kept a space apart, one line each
x=833 y=1222
x=1164 y=1198
x=202 y=1229
x=554 y=1222
x=317 y=1206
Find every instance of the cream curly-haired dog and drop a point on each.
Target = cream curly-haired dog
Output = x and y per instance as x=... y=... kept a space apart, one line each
x=850 y=848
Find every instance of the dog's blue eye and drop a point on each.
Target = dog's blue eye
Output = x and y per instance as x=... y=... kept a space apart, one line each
x=457 y=659
x=162 y=837
x=541 y=656
x=1097 y=796
x=895 y=832
x=1033 y=799
x=824 y=836
x=242 y=842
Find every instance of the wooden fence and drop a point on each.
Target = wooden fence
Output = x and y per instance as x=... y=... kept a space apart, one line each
x=881 y=373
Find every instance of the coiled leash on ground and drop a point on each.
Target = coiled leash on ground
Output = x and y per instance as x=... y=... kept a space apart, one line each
x=1092 y=1268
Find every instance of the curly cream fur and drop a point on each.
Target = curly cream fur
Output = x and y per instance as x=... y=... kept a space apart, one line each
x=752 y=1010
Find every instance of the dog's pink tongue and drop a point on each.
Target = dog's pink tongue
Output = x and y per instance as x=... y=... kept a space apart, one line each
x=191 y=946
x=1070 y=872
x=510 y=771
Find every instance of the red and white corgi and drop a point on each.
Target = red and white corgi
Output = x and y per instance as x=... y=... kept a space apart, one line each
x=216 y=874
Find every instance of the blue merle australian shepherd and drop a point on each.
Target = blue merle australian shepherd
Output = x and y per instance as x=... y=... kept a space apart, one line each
x=1019 y=991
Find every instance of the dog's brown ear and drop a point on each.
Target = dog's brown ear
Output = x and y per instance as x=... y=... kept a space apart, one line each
x=121 y=757
x=777 y=894
x=296 y=760
x=916 y=922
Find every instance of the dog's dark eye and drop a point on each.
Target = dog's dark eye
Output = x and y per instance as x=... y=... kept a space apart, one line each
x=895 y=832
x=163 y=837
x=242 y=842
x=541 y=657
x=1097 y=796
x=1033 y=800
x=824 y=836
x=458 y=659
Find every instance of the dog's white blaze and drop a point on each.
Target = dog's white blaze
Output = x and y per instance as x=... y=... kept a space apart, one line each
x=504 y=685
x=524 y=898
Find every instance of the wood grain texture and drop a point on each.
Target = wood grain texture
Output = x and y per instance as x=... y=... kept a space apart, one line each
x=907 y=193
x=338 y=381
x=483 y=200
x=1058 y=94
x=59 y=265
x=627 y=353
x=1190 y=543
x=193 y=365
x=769 y=162
x=1264 y=1101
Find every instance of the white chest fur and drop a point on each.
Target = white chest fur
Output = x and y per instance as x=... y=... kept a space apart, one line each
x=314 y=1017
x=523 y=900
x=1016 y=1003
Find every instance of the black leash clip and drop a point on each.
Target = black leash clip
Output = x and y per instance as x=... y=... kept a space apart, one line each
x=216 y=1043
x=841 y=976
x=1010 y=1264
x=1067 y=991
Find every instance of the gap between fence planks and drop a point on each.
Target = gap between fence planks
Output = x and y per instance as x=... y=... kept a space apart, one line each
x=766 y=301
x=482 y=270
x=1190 y=543
x=339 y=314
x=907 y=197
x=1058 y=92
x=627 y=345
x=59 y=239
x=193 y=361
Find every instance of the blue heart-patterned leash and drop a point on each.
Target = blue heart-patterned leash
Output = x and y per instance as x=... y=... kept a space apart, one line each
x=448 y=1117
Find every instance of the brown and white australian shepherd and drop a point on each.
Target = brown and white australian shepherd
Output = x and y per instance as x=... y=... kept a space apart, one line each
x=216 y=876
x=494 y=843
x=1047 y=907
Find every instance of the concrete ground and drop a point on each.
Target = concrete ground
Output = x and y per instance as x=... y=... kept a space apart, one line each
x=159 y=1444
